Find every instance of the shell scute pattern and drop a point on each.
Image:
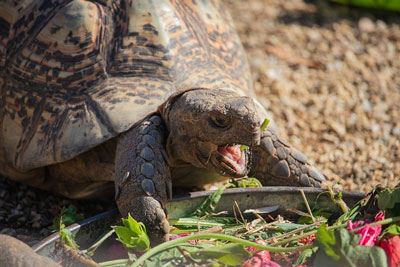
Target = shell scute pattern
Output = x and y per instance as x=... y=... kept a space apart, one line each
x=74 y=74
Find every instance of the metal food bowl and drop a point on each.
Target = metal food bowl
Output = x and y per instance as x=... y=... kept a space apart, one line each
x=89 y=230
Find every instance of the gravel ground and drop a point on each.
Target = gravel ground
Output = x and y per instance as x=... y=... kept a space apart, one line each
x=326 y=73
x=329 y=75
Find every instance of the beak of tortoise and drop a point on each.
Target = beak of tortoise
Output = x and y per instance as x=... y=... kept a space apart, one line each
x=233 y=160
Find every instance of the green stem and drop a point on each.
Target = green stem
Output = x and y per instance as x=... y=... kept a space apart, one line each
x=305 y=235
x=90 y=251
x=175 y=242
x=385 y=221
x=113 y=262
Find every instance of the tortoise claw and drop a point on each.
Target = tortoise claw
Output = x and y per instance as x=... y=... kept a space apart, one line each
x=277 y=162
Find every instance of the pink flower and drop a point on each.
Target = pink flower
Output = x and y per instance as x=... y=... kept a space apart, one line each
x=260 y=259
x=391 y=245
x=369 y=234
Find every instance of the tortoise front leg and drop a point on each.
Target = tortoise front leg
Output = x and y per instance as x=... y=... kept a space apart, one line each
x=143 y=177
x=276 y=162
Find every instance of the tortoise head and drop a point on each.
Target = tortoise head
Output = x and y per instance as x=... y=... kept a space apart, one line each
x=211 y=128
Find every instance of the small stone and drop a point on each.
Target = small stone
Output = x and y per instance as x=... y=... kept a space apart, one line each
x=37 y=218
x=15 y=214
x=298 y=155
x=147 y=169
x=8 y=231
x=21 y=219
x=36 y=225
x=31 y=194
x=281 y=169
x=44 y=232
x=148 y=187
x=366 y=25
x=290 y=160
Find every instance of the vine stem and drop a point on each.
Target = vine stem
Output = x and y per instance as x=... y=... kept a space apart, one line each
x=175 y=242
x=90 y=251
x=113 y=262
x=385 y=221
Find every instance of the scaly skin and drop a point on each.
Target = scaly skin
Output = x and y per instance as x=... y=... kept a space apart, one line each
x=277 y=162
x=143 y=177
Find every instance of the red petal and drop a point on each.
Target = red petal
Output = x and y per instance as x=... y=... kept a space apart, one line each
x=391 y=245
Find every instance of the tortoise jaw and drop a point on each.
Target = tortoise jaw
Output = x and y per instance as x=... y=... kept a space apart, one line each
x=231 y=160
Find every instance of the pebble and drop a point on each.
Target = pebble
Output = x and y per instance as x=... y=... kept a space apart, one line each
x=26 y=213
x=366 y=25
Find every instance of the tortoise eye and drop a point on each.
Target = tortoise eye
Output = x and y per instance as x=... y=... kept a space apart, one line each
x=220 y=122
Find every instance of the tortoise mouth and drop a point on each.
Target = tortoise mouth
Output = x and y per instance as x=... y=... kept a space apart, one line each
x=231 y=160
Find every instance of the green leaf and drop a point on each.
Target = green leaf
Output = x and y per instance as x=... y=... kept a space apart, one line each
x=326 y=239
x=393 y=229
x=350 y=215
x=209 y=205
x=193 y=223
x=340 y=248
x=68 y=238
x=243 y=147
x=230 y=254
x=67 y=216
x=389 y=200
x=174 y=256
x=288 y=227
x=246 y=182
x=393 y=5
x=133 y=234
x=306 y=254
x=264 y=125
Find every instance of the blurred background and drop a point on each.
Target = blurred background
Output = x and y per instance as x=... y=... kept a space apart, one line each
x=330 y=76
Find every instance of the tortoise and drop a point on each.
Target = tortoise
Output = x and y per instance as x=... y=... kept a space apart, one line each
x=129 y=97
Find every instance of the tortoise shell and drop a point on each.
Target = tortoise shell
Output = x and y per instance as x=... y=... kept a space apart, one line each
x=74 y=74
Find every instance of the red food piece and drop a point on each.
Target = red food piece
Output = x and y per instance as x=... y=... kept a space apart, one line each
x=391 y=245
x=308 y=239
x=260 y=259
